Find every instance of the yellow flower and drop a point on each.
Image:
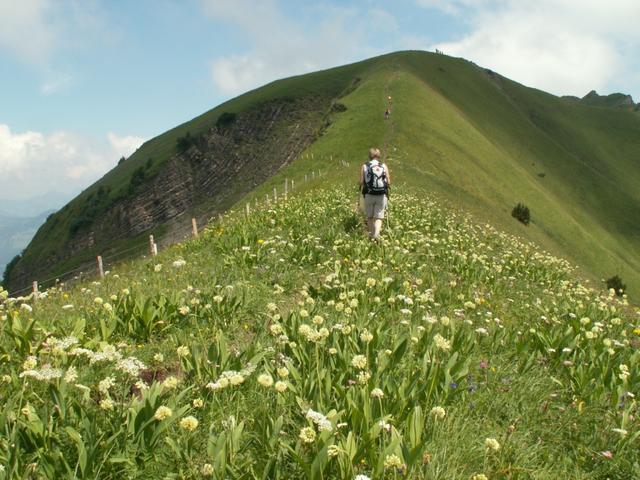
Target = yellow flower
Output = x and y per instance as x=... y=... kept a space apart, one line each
x=265 y=380
x=281 y=386
x=491 y=444
x=189 y=423
x=359 y=361
x=392 y=461
x=207 y=470
x=162 y=413
x=307 y=435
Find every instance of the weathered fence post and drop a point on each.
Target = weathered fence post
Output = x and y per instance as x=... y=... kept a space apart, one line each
x=100 y=266
x=286 y=188
x=275 y=194
x=151 y=244
x=194 y=227
x=247 y=209
x=155 y=249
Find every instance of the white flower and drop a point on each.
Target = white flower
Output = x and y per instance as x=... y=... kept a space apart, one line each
x=359 y=361
x=162 y=413
x=265 y=380
x=377 y=393
x=320 y=420
x=307 y=435
x=106 y=384
x=441 y=342
x=207 y=470
x=131 y=366
x=189 y=423
x=183 y=351
x=71 y=376
x=491 y=444
x=438 y=412
x=366 y=336
x=179 y=263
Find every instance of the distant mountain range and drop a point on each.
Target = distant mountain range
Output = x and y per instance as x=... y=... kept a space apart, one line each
x=16 y=233
x=33 y=206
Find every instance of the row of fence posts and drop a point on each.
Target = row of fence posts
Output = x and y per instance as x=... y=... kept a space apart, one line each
x=153 y=246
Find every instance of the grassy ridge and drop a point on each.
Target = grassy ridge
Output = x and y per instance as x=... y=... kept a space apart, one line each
x=472 y=137
x=486 y=143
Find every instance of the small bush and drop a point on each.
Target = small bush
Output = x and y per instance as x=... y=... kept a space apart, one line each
x=225 y=120
x=521 y=213
x=339 y=107
x=138 y=177
x=78 y=224
x=185 y=143
x=615 y=282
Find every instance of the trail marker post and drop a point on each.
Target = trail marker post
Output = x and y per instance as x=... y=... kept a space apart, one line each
x=194 y=227
x=152 y=250
x=35 y=291
x=100 y=266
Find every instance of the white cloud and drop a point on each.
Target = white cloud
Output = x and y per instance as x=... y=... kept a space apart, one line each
x=32 y=163
x=561 y=46
x=25 y=30
x=56 y=84
x=283 y=46
x=124 y=146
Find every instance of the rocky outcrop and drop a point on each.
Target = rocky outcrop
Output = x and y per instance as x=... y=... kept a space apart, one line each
x=211 y=174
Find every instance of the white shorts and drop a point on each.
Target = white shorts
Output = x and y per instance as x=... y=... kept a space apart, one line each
x=374 y=206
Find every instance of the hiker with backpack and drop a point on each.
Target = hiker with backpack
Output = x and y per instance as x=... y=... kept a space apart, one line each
x=374 y=185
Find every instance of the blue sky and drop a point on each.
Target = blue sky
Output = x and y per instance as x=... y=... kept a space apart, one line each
x=83 y=82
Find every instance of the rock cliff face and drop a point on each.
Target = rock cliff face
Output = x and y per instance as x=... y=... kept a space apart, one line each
x=205 y=177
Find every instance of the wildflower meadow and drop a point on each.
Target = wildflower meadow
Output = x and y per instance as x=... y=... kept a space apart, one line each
x=284 y=344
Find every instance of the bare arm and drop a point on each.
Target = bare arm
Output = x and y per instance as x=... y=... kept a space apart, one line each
x=361 y=177
x=388 y=175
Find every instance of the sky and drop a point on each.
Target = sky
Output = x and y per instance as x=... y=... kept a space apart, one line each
x=85 y=82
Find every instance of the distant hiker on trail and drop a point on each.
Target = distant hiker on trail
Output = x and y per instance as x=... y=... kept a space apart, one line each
x=387 y=112
x=374 y=184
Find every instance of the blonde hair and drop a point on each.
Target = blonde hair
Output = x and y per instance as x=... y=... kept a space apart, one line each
x=374 y=153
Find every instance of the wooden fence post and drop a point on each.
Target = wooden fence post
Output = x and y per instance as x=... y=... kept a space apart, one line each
x=286 y=188
x=275 y=194
x=292 y=184
x=100 y=266
x=247 y=209
x=194 y=227
x=35 y=290
x=155 y=249
x=151 y=244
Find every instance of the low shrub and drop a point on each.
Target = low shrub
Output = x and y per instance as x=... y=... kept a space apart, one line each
x=521 y=213
x=615 y=282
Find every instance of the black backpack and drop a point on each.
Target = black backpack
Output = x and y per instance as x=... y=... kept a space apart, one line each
x=375 y=179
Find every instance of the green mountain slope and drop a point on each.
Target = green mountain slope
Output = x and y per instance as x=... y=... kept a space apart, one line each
x=286 y=345
x=466 y=134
